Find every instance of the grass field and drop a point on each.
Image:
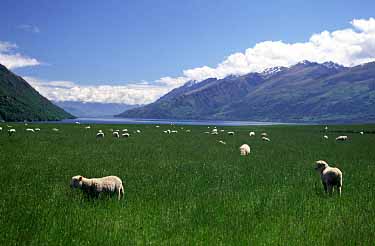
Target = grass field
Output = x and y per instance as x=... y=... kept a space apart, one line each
x=186 y=188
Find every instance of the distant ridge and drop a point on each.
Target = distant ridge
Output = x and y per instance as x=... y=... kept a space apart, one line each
x=305 y=92
x=19 y=101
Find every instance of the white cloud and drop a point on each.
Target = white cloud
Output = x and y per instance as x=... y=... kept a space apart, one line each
x=29 y=28
x=11 y=59
x=136 y=93
x=348 y=47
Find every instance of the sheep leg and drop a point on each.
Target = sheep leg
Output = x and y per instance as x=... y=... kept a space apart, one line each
x=325 y=187
x=330 y=189
x=339 y=189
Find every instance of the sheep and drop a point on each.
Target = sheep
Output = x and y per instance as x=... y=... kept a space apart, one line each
x=174 y=131
x=206 y=132
x=252 y=134
x=330 y=176
x=222 y=142
x=214 y=131
x=266 y=139
x=325 y=137
x=125 y=135
x=157 y=126
x=37 y=129
x=167 y=131
x=138 y=131
x=95 y=186
x=100 y=134
x=222 y=130
x=342 y=138
x=264 y=134
x=11 y=131
x=231 y=133
x=188 y=131
x=1 y=129
x=87 y=127
x=9 y=126
x=245 y=149
x=55 y=129
x=326 y=128
x=124 y=130
x=30 y=130
x=116 y=134
x=361 y=132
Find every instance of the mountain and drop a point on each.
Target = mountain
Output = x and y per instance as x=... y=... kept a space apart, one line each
x=305 y=92
x=92 y=109
x=19 y=101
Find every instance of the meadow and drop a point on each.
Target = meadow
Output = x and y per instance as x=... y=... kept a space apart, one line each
x=186 y=188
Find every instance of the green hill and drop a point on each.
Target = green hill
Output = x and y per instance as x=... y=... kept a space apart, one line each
x=19 y=101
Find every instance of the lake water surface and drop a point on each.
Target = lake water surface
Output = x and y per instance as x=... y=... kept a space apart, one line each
x=164 y=122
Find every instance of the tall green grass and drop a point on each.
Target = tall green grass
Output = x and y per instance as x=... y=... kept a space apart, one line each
x=186 y=188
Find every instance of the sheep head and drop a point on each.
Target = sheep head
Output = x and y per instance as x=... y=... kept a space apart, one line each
x=76 y=181
x=320 y=165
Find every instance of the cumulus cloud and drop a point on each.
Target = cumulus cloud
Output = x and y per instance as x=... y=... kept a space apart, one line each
x=29 y=28
x=136 y=93
x=349 y=47
x=12 y=59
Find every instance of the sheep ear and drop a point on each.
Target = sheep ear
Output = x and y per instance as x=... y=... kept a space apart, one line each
x=80 y=178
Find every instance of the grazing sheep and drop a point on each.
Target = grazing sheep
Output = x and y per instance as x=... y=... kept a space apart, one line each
x=325 y=137
x=266 y=139
x=222 y=142
x=167 y=131
x=87 y=127
x=222 y=130
x=252 y=134
x=124 y=130
x=174 y=131
x=30 y=130
x=37 y=129
x=188 y=131
x=330 y=176
x=361 y=132
x=95 y=186
x=214 y=133
x=116 y=134
x=9 y=126
x=342 y=138
x=326 y=128
x=157 y=126
x=138 y=131
x=214 y=130
x=100 y=134
x=206 y=132
x=1 y=129
x=125 y=135
x=245 y=149
x=264 y=134
x=55 y=129
x=231 y=133
x=11 y=131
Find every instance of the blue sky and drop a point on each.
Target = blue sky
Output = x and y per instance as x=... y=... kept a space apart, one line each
x=118 y=43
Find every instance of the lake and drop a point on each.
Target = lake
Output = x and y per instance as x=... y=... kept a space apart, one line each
x=167 y=121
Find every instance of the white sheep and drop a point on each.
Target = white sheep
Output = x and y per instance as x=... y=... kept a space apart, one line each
x=174 y=131
x=245 y=149
x=124 y=130
x=125 y=135
x=11 y=131
x=167 y=131
x=87 y=127
x=264 y=134
x=214 y=133
x=222 y=142
x=30 y=130
x=95 y=186
x=231 y=133
x=361 y=132
x=252 y=134
x=325 y=137
x=116 y=134
x=1 y=129
x=214 y=130
x=222 y=130
x=330 y=176
x=266 y=139
x=37 y=129
x=138 y=131
x=157 y=126
x=188 y=130
x=206 y=132
x=100 y=134
x=55 y=129
x=342 y=138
